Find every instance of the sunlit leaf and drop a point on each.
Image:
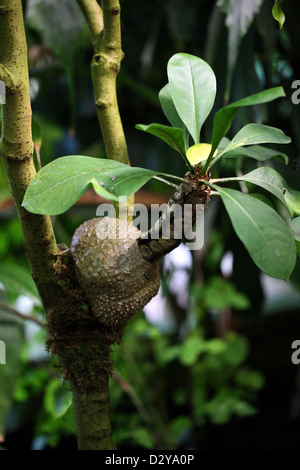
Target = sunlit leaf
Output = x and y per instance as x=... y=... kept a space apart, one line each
x=171 y=135
x=278 y=13
x=198 y=153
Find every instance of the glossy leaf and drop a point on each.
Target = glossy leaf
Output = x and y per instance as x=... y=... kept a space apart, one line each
x=103 y=192
x=266 y=178
x=265 y=235
x=224 y=117
x=193 y=90
x=271 y=181
x=198 y=153
x=61 y=183
x=257 y=152
x=171 y=135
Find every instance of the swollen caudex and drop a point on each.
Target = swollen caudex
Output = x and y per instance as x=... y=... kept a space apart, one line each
x=117 y=280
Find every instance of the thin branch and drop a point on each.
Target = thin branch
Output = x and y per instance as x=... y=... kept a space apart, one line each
x=157 y=242
x=93 y=16
x=127 y=388
x=162 y=180
x=16 y=313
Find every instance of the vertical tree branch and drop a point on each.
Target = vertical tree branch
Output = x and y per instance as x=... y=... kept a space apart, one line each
x=16 y=147
x=105 y=67
x=93 y=420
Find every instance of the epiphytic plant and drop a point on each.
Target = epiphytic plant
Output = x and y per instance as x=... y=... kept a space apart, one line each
x=187 y=101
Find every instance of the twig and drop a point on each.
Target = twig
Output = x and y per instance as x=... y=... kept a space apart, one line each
x=93 y=15
x=9 y=309
x=126 y=387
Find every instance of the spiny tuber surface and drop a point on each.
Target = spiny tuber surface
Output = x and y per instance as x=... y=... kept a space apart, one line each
x=117 y=280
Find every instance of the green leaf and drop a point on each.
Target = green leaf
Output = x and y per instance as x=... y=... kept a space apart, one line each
x=18 y=281
x=224 y=117
x=216 y=346
x=266 y=178
x=292 y=199
x=57 y=401
x=191 y=349
x=57 y=186
x=168 y=107
x=193 y=89
x=263 y=232
x=103 y=192
x=250 y=379
x=237 y=350
x=257 y=152
x=252 y=134
x=262 y=198
x=36 y=132
x=270 y=180
x=278 y=14
x=244 y=409
x=197 y=153
x=171 y=135
x=221 y=407
x=295 y=225
x=220 y=294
